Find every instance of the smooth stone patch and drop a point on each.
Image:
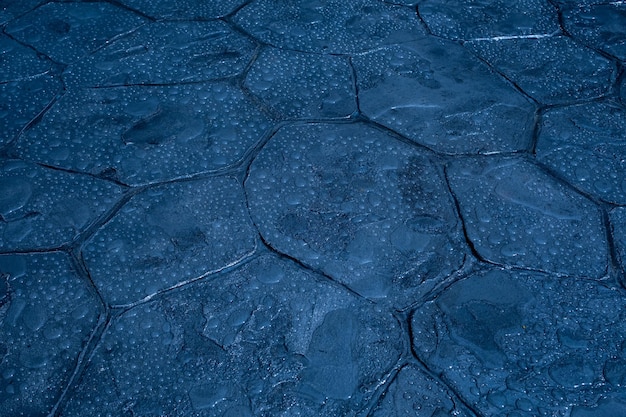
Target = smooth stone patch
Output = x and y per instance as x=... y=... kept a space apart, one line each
x=517 y=215
x=526 y=344
x=141 y=135
x=351 y=201
x=66 y=32
x=165 y=52
x=458 y=19
x=586 y=144
x=45 y=208
x=22 y=101
x=46 y=316
x=618 y=223
x=184 y=9
x=599 y=25
x=299 y=85
x=19 y=62
x=265 y=339
x=551 y=70
x=413 y=393
x=168 y=235
x=437 y=94
x=332 y=27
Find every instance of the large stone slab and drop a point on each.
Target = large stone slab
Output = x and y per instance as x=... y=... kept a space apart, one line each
x=44 y=208
x=517 y=215
x=552 y=70
x=68 y=31
x=165 y=53
x=351 y=201
x=300 y=85
x=527 y=344
x=184 y=9
x=169 y=235
x=47 y=314
x=140 y=135
x=265 y=339
x=20 y=62
x=458 y=19
x=586 y=144
x=333 y=26
x=441 y=96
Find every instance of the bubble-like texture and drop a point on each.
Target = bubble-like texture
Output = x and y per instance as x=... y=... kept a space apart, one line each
x=46 y=316
x=266 y=339
x=13 y=8
x=165 y=52
x=391 y=219
x=527 y=344
x=439 y=95
x=66 y=32
x=332 y=26
x=168 y=235
x=299 y=85
x=552 y=70
x=414 y=393
x=462 y=19
x=44 y=208
x=586 y=144
x=19 y=62
x=141 y=135
x=618 y=223
x=515 y=214
x=184 y=9
x=601 y=26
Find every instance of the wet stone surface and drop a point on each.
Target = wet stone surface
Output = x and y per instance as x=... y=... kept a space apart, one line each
x=268 y=339
x=46 y=316
x=397 y=230
x=312 y=208
x=526 y=343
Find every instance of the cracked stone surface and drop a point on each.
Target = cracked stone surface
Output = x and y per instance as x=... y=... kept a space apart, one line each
x=315 y=208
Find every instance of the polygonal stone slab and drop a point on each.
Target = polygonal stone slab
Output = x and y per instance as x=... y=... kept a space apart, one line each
x=22 y=101
x=141 y=135
x=333 y=26
x=165 y=52
x=552 y=70
x=299 y=85
x=19 y=62
x=526 y=344
x=14 y=8
x=517 y=215
x=184 y=9
x=264 y=339
x=439 y=95
x=46 y=316
x=67 y=31
x=457 y=19
x=586 y=144
x=414 y=393
x=618 y=223
x=371 y=212
x=168 y=235
x=45 y=208
x=599 y=25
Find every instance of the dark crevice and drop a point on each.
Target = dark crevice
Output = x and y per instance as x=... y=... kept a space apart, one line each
x=615 y=266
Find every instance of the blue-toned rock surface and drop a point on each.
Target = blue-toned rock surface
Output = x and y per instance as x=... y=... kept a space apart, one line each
x=515 y=214
x=586 y=144
x=618 y=222
x=165 y=53
x=169 y=235
x=184 y=9
x=333 y=26
x=68 y=31
x=140 y=135
x=47 y=313
x=439 y=95
x=551 y=70
x=526 y=344
x=267 y=339
x=45 y=208
x=298 y=85
x=20 y=62
x=395 y=232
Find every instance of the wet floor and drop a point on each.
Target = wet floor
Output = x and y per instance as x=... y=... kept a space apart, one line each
x=313 y=208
